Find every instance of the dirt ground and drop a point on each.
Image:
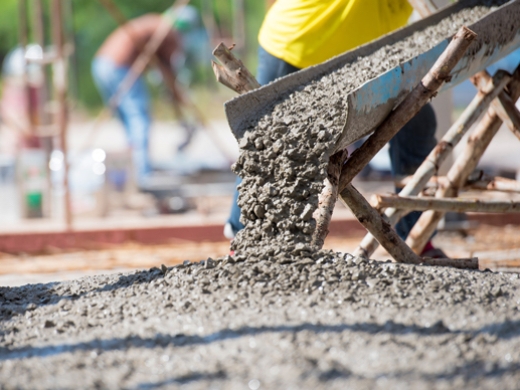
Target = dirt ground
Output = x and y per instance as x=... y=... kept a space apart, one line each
x=238 y=323
x=498 y=248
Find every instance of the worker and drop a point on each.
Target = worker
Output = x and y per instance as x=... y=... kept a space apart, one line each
x=297 y=34
x=112 y=64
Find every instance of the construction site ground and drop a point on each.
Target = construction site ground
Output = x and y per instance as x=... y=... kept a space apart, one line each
x=496 y=247
x=111 y=316
x=107 y=316
x=235 y=323
x=130 y=240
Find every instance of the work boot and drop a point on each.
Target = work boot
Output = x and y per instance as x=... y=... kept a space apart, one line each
x=432 y=252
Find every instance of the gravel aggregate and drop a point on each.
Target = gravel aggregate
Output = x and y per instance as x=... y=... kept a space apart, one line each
x=234 y=323
x=285 y=152
x=278 y=314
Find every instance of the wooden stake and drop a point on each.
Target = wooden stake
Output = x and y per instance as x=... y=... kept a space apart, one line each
x=469 y=263
x=381 y=229
x=483 y=183
x=512 y=117
x=328 y=198
x=439 y=154
x=462 y=168
x=494 y=184
x=444 y=204
x=389 y=239
x=232 y=72
x=39 y=34
x=504 y=106
x=420 y=95
x=23 y=39
x=429 y=167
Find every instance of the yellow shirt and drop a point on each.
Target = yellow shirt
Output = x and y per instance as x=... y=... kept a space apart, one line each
x=307 y=32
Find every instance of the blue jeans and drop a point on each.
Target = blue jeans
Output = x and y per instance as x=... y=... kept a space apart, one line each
x=407 y=151
x=133 y=110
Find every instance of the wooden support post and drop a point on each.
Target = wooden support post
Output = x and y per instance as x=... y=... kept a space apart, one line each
x=389 y=239
x=504 y=106
x=462 y=168
x=490 y=90
x=483 y=183
x=39 y=34
x=23 y=28
x=29 y=139
x=429 y=167
x=493 y=184
x=512 y=117
x=444 y=204
x=420 y=95
x=232 y=72
x=328 y=198
x=381 y=229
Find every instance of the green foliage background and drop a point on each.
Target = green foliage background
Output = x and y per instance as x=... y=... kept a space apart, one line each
x=91 y=24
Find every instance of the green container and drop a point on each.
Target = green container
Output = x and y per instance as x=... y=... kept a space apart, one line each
x=34 y=203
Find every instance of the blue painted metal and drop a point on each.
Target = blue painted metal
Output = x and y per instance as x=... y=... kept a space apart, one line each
x=369 y=104
x=373 y=101
x=394 y=83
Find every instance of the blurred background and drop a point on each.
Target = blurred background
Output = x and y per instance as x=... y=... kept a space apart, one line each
x=99 y=163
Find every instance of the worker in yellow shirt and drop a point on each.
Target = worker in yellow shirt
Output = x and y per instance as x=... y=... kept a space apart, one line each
x=307 y=32
x=296 y=34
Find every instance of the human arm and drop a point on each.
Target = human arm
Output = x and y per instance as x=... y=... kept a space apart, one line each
x=169 y=48
x=269 y=3
x=170 y=80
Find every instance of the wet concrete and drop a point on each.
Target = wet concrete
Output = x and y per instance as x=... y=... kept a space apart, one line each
x=232 y=324
x=279 y=314
x=285 y=152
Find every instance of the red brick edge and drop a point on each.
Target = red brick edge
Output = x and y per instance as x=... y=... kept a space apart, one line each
x=37 y=242
x=40 y=242
x=495 y=219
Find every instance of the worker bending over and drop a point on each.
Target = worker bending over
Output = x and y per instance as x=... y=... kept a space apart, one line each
x=111 y=66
